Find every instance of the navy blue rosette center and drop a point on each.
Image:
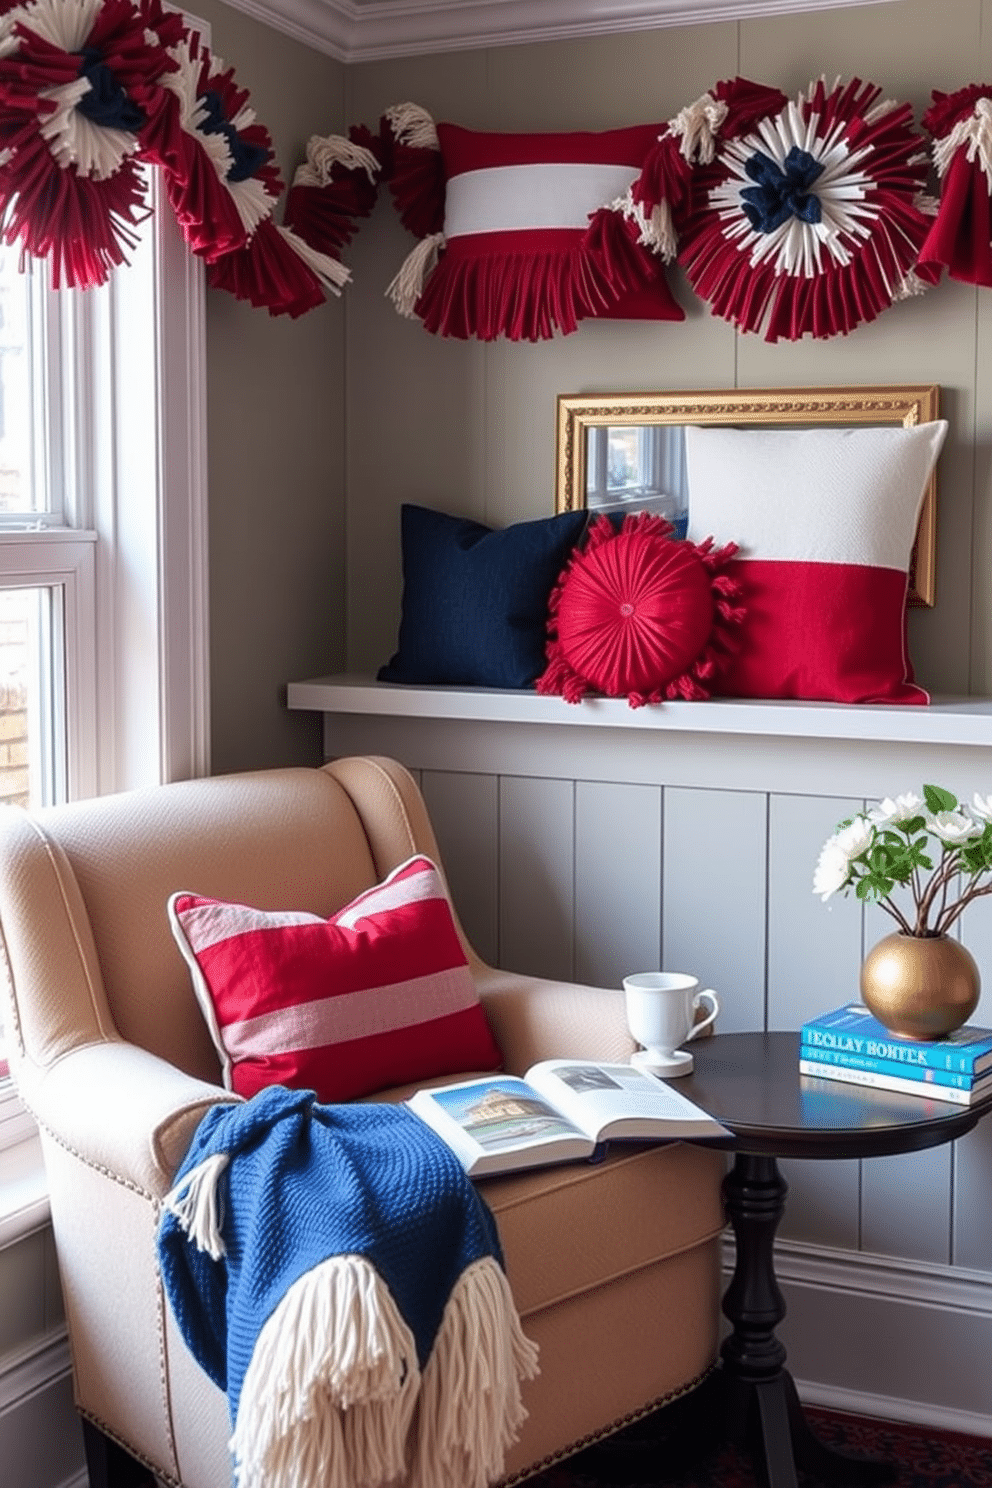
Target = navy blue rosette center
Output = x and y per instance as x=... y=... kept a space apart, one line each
x=107 y=103
x=783 y=191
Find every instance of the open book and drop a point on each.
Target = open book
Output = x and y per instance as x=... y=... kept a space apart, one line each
x=564 y=1109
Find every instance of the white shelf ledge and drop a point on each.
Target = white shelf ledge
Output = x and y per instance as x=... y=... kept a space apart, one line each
x=947 y=721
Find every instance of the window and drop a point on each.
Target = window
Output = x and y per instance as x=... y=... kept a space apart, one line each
x=103 y=605
x=46 y=549
x=637 y=467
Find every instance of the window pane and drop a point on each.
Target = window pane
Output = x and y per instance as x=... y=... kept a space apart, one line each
x=20 y=491
x=32 y=724
x=32 y=714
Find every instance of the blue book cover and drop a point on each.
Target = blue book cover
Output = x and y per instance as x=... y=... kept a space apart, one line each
x=852 y=1030
x=815 y=1054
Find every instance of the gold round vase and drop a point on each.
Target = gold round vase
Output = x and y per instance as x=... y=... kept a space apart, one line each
x=920 y=987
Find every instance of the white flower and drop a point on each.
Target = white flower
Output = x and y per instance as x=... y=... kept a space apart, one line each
x=982 y=806
x=856 y=837
x=831 y=872
x=953 y=827
x=833 y=869
x=890 y=813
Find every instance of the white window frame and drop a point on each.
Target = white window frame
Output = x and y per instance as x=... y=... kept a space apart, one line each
x=31 y=560
x=134 y=577
x=150 y=514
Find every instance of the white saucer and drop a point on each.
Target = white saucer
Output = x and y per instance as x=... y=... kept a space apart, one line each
x=679 y=1062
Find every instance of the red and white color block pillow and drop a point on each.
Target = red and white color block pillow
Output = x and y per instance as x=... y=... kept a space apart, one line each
x=523 y=235
x=378 y=995
x=825 y=521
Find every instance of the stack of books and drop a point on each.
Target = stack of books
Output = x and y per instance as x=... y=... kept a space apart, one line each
x=850 y=1045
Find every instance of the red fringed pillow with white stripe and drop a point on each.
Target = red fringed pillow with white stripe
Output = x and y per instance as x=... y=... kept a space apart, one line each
x=379 y=994
x=522 y=235
x=639 y=614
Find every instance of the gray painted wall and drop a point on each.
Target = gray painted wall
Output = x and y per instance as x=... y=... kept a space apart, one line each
x=275 y=390
x=494 y=405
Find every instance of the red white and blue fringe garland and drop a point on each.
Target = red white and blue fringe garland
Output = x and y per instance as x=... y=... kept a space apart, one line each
x=91 y=88
x=960 y=239
x=790 y=218
x=661 y=196
x=808 y=221
x=78 y=82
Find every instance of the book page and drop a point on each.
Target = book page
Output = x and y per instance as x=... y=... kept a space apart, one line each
x=496 y=1116
x=607 y=1100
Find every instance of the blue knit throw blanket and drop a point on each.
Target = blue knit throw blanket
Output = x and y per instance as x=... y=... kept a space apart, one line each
x=335 y=1271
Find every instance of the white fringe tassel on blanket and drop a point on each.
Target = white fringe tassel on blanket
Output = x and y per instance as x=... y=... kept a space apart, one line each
x=470 y=1405
x=333 y=1387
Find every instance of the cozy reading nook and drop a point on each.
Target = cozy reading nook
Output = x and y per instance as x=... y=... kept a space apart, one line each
x=603 y=824
x=124 y=1072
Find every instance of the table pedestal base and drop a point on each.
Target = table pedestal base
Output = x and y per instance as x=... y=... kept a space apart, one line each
x=762 y=1408
x=767 y=1419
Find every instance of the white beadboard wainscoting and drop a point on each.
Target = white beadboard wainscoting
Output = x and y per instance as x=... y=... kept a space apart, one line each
x=41 y=1444
x=587 y=841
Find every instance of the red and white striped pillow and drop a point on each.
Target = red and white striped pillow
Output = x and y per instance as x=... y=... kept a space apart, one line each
x=378 y=995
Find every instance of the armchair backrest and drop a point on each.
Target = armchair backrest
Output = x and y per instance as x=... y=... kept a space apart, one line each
x=84 y=888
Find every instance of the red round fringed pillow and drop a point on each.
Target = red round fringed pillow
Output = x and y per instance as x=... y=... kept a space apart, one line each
x=640 y=614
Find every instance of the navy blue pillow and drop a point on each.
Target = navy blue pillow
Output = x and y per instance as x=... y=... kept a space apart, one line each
x=475 y=599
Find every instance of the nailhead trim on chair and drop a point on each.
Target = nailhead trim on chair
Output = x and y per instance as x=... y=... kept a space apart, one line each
x=135 y=1188
x=597 y=1436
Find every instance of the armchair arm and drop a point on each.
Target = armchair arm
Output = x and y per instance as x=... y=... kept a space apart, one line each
x=536 y=1019
x=122 y=1110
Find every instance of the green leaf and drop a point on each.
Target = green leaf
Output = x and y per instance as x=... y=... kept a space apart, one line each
x=974 y=857
x=874 y=886
x=938 y=799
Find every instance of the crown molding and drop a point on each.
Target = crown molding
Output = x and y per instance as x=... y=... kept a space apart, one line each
x=366 y=30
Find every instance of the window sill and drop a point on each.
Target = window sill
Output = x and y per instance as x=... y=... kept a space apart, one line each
x=23 y=1191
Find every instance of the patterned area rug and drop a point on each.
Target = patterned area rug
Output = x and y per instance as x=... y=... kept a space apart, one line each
x=673 y=1449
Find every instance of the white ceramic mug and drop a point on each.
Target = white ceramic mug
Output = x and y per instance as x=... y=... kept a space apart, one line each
x=661 y=1015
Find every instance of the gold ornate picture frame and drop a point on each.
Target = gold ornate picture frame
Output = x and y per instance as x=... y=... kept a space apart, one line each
x=905 y=404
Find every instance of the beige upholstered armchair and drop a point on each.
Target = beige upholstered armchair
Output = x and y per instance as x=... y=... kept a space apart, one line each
x=614 y=1267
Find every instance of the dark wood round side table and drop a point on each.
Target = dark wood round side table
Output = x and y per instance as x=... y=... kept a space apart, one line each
x=750 y=1082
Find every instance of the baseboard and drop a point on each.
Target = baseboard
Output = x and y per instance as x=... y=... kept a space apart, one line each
x=882 y=1336
x=885 y=1408
x=41 y=1442
x=862 y=1274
